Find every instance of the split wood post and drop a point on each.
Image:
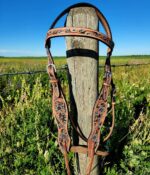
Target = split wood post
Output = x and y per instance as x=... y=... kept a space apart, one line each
x=82 y=59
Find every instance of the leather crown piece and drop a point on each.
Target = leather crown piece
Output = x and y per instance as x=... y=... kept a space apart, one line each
x=100 y=109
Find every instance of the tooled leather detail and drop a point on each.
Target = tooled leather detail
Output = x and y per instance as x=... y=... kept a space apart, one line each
x=100 y=112
x=60 y=112
x=85 y=32
x=59 y=105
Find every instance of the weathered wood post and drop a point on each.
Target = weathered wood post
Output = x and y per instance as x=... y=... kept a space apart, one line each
x=82 y=61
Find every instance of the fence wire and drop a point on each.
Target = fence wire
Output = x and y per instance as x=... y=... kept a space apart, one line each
x=65 y=67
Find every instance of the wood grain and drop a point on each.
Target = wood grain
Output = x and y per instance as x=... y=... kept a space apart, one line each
x=83 y=73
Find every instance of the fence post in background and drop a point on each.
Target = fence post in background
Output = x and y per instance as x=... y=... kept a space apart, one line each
x=82 y=59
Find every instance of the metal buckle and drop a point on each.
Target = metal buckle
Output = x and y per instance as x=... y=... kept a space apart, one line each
x=53 y=65
x=108 y=74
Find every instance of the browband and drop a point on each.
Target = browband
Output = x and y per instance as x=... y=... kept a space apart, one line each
x=59 y=105
x=76 y=31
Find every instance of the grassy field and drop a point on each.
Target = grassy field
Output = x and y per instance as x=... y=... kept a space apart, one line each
x=28 y=135
x=30 y=63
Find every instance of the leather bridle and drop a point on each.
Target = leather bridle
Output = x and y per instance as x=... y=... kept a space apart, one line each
x=100 y=109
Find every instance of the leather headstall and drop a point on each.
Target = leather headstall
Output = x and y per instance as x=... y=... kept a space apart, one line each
x=100 y=109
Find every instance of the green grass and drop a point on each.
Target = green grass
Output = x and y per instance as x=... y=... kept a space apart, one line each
x=11 y=64
x=28 y=134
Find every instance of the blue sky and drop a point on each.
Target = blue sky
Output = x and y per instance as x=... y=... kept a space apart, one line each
x=24 y=23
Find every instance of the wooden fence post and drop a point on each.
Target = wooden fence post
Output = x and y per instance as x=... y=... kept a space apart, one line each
x=82 y=59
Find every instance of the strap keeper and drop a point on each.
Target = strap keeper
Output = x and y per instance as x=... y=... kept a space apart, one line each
x=105 y=84
x=53 y=81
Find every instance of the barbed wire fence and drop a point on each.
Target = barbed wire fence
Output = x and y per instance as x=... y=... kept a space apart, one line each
x=65 y=67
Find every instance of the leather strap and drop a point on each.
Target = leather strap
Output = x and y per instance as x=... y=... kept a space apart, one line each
x=99 y=14
x=60 y=109
x=82 y=32
x=101 y=17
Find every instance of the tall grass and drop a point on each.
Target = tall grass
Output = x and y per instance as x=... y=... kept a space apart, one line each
x=28 y=135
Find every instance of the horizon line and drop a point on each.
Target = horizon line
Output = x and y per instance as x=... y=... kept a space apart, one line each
x=65 y=56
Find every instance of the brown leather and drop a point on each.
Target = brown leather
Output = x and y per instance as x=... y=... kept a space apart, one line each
x=84 y=150
x=59 y=105
x=113 y=123
x=76 y=31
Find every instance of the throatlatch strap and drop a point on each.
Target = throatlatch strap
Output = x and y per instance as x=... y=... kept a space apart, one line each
x=59 y=105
